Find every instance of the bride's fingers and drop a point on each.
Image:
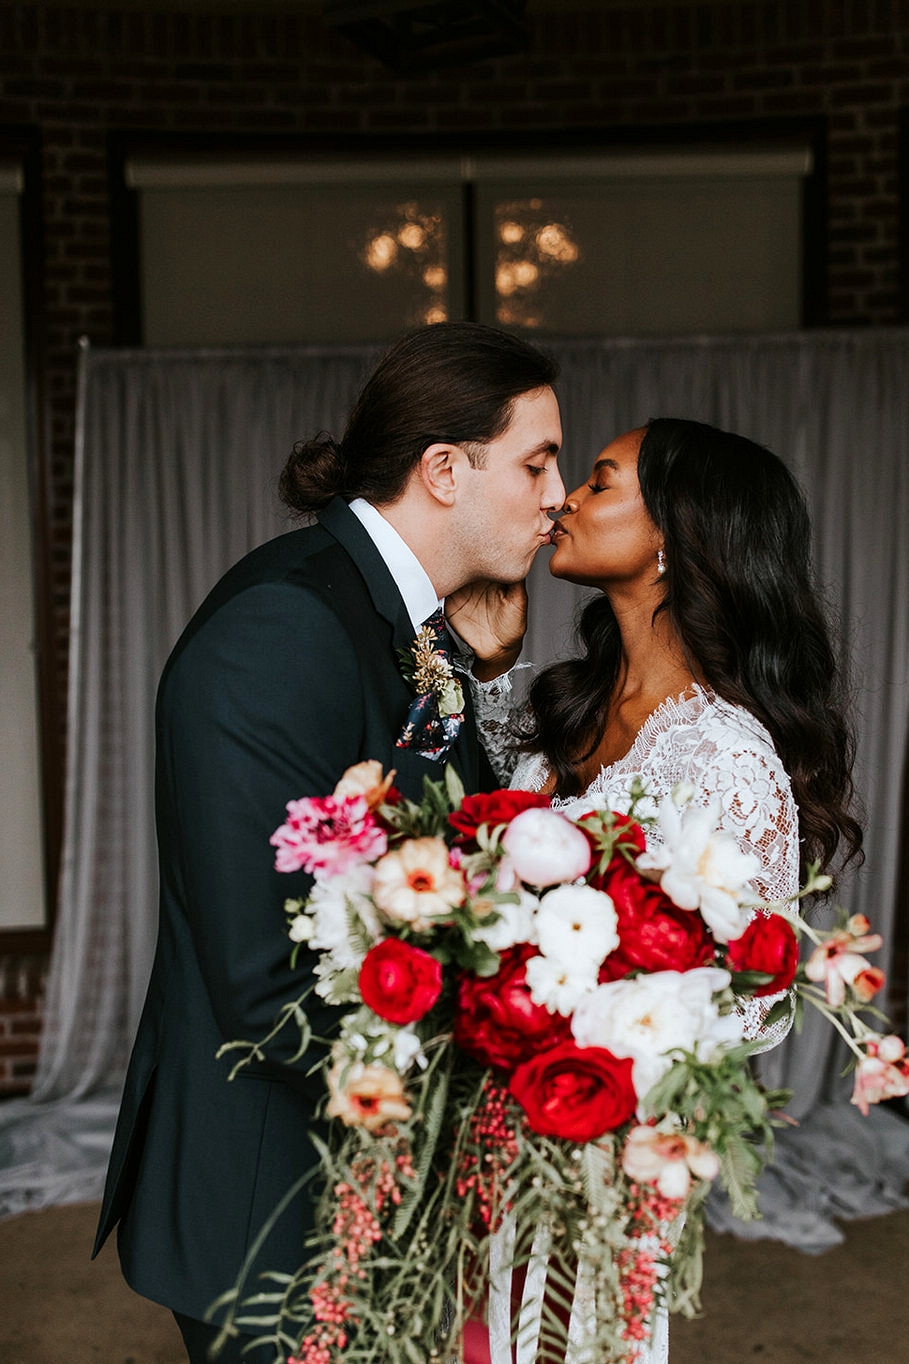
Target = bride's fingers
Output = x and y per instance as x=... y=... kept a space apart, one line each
x=489 y=616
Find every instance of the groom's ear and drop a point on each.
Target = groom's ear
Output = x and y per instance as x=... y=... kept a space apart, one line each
x=440 y=470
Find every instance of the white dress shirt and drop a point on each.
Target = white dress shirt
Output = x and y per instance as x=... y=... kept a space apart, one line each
x=411 y=578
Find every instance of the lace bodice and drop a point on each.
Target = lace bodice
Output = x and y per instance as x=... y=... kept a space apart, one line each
x=720 y=749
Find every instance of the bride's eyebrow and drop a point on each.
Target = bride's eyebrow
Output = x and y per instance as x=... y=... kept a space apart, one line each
x=606 y=464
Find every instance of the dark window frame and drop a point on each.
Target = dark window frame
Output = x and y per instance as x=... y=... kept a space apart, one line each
x=902 y=228
x=763 y=133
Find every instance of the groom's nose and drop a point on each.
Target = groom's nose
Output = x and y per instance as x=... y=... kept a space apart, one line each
x=554 y=491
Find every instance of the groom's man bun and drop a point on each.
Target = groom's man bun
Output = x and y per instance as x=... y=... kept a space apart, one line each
x=453 y=381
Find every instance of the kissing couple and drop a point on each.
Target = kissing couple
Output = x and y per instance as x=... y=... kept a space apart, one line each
x=704 y=658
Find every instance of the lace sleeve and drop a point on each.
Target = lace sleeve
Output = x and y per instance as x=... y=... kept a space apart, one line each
x=757 y=806
x=496 y=706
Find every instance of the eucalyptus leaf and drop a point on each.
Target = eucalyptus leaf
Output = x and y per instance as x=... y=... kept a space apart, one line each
x=433 y=1124
x=454 y=787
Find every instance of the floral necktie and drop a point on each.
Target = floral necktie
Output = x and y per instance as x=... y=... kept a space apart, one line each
x=437 y=711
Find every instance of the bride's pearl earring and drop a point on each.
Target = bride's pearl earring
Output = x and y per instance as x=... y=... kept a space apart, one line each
x=661 y=562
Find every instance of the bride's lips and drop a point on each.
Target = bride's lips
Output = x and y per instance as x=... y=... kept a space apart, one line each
x=557 y=532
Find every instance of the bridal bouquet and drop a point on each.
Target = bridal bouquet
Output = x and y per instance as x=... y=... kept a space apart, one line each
x=540 y=1065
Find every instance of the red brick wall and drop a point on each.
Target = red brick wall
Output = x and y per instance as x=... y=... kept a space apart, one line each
x=21 y=1001
x=80 y=72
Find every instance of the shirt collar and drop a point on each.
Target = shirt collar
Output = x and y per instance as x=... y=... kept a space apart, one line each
x=411 y=578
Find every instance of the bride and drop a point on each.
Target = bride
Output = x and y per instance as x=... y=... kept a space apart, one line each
x=705 y=659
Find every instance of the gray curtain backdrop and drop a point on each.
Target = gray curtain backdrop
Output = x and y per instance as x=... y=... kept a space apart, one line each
x=177 y=460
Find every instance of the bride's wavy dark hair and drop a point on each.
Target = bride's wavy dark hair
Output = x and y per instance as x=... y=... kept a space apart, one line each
x=740 y=594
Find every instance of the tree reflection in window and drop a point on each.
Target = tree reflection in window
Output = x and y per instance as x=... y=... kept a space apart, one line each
x=531 y=247
x=412 y=242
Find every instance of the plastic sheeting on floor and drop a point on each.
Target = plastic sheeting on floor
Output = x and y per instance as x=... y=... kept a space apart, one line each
x=54 y=1152
x=836 y=1165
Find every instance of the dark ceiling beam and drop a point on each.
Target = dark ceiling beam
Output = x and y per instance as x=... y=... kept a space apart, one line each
x=409 y=37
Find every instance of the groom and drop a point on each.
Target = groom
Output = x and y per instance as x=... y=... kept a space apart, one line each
x=288 y=674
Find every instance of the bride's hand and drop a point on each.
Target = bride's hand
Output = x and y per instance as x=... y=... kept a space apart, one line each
x=491 y=618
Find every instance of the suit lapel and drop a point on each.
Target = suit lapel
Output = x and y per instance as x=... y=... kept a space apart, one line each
x=348 y=530
x=467 y=755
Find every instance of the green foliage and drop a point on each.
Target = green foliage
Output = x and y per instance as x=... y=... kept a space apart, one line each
x=720 y=1103
x=429 y=817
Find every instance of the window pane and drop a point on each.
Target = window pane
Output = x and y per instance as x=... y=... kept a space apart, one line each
x=294 y=263
x=641 y=256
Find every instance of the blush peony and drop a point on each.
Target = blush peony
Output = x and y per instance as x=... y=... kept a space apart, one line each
x=545 y=848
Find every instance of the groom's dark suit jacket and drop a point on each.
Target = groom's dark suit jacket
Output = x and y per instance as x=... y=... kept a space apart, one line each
x=285 y=676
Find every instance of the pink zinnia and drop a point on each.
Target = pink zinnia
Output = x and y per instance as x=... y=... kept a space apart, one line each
x=325 y=836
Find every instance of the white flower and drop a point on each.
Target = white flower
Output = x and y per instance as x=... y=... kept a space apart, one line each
x=339 y=905
x=408 y=1049
x=515 y=923
x=651 y=1015
x=546 y=848
x=301 y=928
x=416 y=883
x=557 y=988
x=713 y=1029
x=577 y=926
x=507 y=878
x=366 y=1037
x=450 y=697
x=334 y=986
x=701 y=867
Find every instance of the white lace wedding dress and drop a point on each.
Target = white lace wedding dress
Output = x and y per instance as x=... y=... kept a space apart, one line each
x=728 y=757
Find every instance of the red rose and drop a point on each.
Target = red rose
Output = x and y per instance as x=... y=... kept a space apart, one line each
x=768 y=944
x=400 y=982
x=654 y=934
x=492 y=808
x=497 y=1022
x=577 y=1093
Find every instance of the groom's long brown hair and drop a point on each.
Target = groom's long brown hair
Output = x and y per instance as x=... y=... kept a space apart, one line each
x=453 y=381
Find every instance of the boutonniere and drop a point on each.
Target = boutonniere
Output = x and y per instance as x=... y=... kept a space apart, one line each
x=428 y=669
